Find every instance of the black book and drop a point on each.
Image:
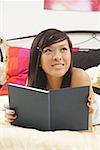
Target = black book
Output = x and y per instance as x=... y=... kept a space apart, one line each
x=60 y=109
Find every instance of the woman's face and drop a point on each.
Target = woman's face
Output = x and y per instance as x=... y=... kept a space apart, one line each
x=55 y=59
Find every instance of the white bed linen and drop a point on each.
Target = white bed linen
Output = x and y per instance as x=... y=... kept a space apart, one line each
x=17 y=138
x=96 y=113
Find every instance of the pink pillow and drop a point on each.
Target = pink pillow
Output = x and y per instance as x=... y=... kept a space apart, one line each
x=75 y=49
x=16 y=67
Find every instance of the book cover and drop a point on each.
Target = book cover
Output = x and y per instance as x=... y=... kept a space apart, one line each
x=60 y=109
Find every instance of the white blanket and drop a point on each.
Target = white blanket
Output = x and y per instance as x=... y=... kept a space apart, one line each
x=96 y=113
x=17 y=138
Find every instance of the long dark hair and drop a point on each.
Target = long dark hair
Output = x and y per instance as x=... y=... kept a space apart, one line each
x=36 y=75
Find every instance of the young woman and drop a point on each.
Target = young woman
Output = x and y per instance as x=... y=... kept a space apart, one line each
x=51 y=66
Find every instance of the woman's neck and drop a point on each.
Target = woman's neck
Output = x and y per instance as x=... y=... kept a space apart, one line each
x=54 y=83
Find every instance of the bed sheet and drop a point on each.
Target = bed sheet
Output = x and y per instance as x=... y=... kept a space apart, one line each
x=18 y=138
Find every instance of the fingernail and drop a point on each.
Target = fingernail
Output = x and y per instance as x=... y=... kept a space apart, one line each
x=88 y=104
x=12 y=111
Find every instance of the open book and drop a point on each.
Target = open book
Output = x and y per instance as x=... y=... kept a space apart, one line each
x=61 y=109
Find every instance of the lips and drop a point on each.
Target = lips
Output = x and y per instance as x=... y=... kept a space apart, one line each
x=57 y=65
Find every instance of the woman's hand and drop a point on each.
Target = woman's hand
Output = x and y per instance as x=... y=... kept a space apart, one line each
x=91 y=109
x=90 y=104
x=9 y=114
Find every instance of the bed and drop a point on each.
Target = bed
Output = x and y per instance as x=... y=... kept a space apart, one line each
x=18 y=138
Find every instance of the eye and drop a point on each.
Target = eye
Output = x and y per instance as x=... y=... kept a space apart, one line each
x=64 y=49
x=47 y=50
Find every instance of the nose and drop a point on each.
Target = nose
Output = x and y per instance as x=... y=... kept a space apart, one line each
x=57 y=55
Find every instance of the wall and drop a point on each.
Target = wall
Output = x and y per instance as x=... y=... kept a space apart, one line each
x=22 y=18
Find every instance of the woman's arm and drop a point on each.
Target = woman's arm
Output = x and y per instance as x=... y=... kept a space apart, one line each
x=81 y=78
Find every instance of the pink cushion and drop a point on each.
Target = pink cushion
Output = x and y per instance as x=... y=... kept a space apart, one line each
x=75 y=49
x=16 y=67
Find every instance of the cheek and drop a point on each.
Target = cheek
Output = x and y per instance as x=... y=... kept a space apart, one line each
x=44 y=62
x=67 y=58
x=70 y=58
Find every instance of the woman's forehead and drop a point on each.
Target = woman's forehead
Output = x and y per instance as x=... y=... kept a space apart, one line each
x=61 y=43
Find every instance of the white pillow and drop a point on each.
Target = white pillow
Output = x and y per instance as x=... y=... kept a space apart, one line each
x=2 y=73
x=94 y=74
x=3 y=47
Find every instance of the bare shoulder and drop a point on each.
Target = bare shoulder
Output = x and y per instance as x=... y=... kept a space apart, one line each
x=78 y=72
x=79 y=77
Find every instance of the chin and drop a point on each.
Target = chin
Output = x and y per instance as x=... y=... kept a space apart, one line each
x=58 y=74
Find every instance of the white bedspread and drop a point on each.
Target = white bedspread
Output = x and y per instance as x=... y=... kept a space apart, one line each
x=17 y=138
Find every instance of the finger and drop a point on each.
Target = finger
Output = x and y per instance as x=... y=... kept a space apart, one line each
x=12 y=117
x=9 y=120
x=9 y=111
x=90 y=99
x=88 y=104
x=91 y=107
